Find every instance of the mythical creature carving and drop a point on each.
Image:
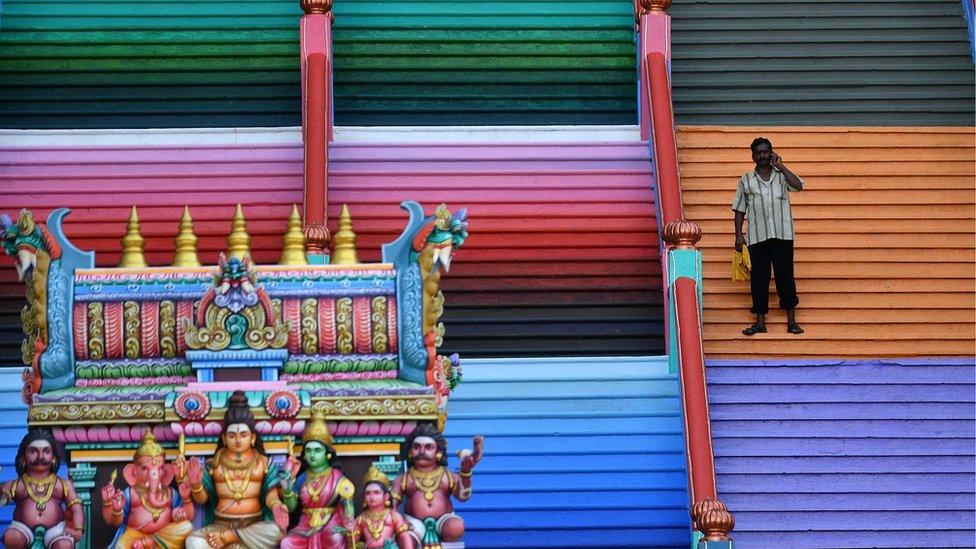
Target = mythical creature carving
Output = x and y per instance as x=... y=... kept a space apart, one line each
x=32 y=247
x=235 y=312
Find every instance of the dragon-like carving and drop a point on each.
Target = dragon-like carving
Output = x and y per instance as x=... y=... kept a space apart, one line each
x=235 y=312
x=448 y=234
x=32 y=248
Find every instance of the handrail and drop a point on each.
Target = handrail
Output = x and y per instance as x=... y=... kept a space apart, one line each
x=658 y=84
x=315 y=39
x=682 y=268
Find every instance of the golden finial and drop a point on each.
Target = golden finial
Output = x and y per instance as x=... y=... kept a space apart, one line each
x=316 y=6
x=149 y=447
x=375 y=475
x=316 y=430
x=132 y=243
x=186 y=243
x=294 y=251
x=345 y=241
x=238 y=241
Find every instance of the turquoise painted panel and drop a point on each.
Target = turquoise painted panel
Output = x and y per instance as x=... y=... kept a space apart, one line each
x=215 y=63
x=572 y=457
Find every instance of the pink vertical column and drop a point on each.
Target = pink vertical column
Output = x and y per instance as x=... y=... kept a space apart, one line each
x=316 y=59
x=654 y=28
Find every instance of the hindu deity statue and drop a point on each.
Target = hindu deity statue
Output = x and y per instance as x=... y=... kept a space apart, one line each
x=42 y=499
x=380 y=525
x=427 y=486
x=151 y=512
x=238 y=488
x=324 y=494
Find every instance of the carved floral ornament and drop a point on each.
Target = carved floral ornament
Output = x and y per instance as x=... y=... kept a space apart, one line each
x=682 y=234
x=713 y=519
x=654 y=5
x=316 y=6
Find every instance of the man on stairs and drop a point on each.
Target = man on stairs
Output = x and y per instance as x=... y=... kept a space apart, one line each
x=763 y=197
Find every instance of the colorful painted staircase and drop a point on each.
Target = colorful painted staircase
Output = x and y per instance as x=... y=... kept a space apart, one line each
x=563 y=255
x=578 y=453
x=835 y=453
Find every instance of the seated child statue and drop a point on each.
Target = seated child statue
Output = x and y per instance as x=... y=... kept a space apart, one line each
x=380 y=526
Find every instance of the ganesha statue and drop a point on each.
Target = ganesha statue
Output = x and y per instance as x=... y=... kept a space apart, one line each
x=150 y=511
x=427 y=487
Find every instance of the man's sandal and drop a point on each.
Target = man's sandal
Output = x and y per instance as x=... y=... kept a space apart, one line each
x=794 y=329
x=754 y=329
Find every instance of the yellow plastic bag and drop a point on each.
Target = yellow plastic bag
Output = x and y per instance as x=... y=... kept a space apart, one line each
x=741 y=264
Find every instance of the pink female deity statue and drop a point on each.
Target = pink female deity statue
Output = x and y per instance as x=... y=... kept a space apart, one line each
x=317 y=486
x=379 y=525
x=151 y=512
x=42 y=499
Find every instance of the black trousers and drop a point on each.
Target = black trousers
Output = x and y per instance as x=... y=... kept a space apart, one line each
x=778 y=254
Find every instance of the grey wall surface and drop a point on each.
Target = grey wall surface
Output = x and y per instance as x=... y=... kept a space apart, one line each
x=825 y=63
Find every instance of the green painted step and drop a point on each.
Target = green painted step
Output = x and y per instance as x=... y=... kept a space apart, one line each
x=217 y=63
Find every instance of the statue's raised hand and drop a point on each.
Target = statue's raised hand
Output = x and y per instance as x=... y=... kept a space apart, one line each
x=470 y=458
x=194 y=472
x=185 y=490
x=111 y=494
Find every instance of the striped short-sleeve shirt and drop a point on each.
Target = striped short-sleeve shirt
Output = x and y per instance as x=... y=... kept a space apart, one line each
x=766 y=205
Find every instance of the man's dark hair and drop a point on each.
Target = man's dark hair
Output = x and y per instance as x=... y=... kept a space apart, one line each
x=238 y=411
x=759 y=141
x=33 y=435
x=426 y=430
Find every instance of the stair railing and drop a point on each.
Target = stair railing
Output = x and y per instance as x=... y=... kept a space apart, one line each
x=315 y=41
x=682 y=270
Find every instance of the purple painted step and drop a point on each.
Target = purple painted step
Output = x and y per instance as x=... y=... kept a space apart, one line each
x=822 y=453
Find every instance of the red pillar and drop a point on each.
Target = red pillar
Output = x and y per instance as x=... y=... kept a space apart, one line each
x=654 y=28
x=316 y=63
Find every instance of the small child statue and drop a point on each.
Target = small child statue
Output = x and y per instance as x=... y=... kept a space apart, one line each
x=379 y=525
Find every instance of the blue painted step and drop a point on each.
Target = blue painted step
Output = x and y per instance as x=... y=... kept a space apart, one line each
x=578 y=453
x=13 y=427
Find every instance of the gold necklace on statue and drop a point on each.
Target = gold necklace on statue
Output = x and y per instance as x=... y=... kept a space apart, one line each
x=375 y=527
x=40 y=491
x=313 y=490
x=238 y=489
x=429 y=482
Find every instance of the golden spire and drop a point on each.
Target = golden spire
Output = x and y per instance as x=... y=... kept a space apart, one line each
x=294 y=251
x=238 y=241
x=186 y=243
x=345 y=241
x=149 y=447
x=132 y=243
